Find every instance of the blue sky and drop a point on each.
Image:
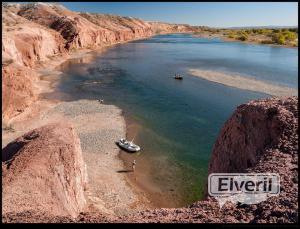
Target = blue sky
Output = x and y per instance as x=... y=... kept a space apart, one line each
x=215 y=14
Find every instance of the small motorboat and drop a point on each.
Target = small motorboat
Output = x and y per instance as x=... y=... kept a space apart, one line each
x=128 y=146
x=178 y=77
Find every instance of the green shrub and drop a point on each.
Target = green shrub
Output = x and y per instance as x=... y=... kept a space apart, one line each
x=247 y=31
x=278 y=39
x=289 y=35
x=281 y=40
x=231 y=34
x=243 y=37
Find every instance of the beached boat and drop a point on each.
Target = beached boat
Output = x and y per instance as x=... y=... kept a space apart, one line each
x=128 y=146
x=178 y=77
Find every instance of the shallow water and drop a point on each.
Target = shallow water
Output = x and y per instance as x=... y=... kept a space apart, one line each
x=175 y=122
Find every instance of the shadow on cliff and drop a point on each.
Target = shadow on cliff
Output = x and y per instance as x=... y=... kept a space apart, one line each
x=12 y=148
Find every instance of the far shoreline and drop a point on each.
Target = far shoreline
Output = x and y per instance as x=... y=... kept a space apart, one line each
x=226 y=39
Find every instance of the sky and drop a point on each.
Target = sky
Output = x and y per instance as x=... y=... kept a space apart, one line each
x=214 y=14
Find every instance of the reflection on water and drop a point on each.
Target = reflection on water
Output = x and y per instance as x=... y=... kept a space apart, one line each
x=85 y=59
x=178 y=121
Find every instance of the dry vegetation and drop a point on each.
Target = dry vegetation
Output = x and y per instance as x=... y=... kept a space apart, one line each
x=284 y=36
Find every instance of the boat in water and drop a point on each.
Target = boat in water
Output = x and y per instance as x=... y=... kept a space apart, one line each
x=128 y=145
x=178 y=77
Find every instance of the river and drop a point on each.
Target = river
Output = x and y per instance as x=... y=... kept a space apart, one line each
x=175 y=122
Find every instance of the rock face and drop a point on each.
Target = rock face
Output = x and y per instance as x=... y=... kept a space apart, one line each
x=17 y=89
x=253 y=130
x=271 y=129
x=163 y=28
x=24 y=42
x=43 y=171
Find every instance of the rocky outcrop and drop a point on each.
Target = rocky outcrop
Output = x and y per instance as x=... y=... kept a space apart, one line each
x=76 y=30
x=120 y=29
x=43 y=171
x=255 y=129
x=18 y=90
x=163 y=28
x=24 y=42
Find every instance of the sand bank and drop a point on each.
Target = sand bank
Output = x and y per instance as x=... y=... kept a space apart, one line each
x=244 y=83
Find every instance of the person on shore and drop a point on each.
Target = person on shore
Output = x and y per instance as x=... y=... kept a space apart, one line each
x=133 y=165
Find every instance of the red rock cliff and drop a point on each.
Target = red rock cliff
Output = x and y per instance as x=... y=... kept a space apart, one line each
x=255 y=129
x=43 y=171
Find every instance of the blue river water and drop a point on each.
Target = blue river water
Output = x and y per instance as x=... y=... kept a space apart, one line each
x=176 y=122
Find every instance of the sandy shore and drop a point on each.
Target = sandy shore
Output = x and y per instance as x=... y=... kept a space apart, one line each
x=244 y=83
x=166 y=196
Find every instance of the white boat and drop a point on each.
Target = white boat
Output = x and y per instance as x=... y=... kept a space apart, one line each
x=128 y=146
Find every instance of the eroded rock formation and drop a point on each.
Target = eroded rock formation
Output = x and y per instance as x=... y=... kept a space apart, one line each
x=43 y=171
x=17 y=89
x=252 y=131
